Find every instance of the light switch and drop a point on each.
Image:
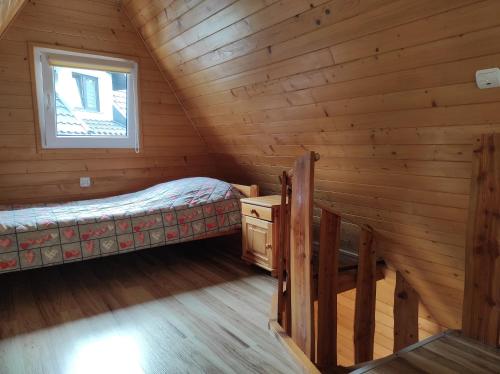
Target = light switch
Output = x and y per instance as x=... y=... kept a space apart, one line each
x=84 y=181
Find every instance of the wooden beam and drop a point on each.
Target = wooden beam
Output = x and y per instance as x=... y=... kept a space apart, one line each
x=328 y=275
x=301 y=213
x=405 y=314
x=481 y=308
x=364 y=314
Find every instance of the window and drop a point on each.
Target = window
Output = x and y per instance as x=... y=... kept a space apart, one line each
x=86 y=101
x=88 y=87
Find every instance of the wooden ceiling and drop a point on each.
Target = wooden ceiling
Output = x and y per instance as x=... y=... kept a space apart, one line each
x=8 y=10
x=383 y=89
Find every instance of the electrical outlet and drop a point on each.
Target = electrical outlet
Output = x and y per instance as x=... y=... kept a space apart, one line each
x=488 y=78
x=84 y=181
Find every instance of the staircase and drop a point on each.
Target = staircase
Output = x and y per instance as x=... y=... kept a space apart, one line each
x=304 y=312
x=304 y=316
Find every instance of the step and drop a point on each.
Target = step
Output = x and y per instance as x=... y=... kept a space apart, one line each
x=442 y=353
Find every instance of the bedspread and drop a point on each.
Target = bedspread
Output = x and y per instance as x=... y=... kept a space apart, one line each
x=181 y=210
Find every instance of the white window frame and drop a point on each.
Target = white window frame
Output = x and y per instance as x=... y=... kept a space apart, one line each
x=45 y=93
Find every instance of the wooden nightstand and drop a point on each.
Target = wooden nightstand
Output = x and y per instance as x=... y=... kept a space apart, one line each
x=260 y=223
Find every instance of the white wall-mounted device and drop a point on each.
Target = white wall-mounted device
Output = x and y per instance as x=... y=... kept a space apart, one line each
x=84 y=181
x=488 y=78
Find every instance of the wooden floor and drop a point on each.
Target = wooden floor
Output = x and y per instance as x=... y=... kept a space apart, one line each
x=186 y=308
x=445 y=353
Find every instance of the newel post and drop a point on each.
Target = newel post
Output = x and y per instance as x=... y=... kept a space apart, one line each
x=481 y=308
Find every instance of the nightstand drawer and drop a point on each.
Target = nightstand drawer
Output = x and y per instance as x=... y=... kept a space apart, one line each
x=260 y=212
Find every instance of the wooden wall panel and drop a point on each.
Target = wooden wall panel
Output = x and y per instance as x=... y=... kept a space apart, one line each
x=383 y=89
x=171 y=147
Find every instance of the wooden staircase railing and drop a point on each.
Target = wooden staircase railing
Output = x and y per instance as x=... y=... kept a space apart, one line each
x=305 y=320
x=311 y=337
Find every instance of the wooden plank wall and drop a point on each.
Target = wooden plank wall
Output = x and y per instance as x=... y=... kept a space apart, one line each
x=171 y=147
x=383 y=89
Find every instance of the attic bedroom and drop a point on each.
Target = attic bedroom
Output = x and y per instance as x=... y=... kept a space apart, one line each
x=261 y=186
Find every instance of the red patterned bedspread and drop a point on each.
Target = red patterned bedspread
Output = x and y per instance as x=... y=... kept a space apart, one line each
x=181 y=210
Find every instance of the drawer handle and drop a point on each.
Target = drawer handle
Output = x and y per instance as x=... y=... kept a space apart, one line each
x=269 y=246
x=253 y=211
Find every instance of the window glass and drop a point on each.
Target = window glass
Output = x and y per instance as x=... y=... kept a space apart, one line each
x=90 y=102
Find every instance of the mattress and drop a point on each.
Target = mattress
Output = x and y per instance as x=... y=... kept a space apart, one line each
x=186 y=209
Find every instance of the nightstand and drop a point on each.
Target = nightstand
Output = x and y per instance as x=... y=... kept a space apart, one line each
x=260 y=231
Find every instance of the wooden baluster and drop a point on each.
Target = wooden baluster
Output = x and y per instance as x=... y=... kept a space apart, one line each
x=284 y=221
x=328 y=274
x=364 y=314
x=481 y=310
x=405 y=314
x=301 y=211
x=288 y=299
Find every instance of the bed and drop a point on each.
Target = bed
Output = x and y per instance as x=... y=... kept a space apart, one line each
x=186 y=209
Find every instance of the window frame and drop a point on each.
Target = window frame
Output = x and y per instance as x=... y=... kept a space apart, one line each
x=44 y=87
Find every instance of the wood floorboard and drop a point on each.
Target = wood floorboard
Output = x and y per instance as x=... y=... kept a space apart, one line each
x=449 y=352
x=193 y=307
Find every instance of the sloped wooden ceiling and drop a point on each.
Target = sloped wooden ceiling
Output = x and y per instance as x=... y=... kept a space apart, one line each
x=8 y=10
x=382 y=89
x=170 y=147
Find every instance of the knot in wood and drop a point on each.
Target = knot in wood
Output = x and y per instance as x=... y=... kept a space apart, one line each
x=403 y=295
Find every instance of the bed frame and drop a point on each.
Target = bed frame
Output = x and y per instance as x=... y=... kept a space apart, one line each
x=248 y=191
x=13 y=262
